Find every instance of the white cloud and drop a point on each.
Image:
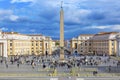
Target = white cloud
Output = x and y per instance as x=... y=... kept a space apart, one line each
x=4 y=29
x=8 y=15
x=76 y=15
x=71 y=11
x=13 y=17
x=116 y=27
x=5 y=12
x=99 y=27
x=18 y=1
x=32 y=30
x=109 y=27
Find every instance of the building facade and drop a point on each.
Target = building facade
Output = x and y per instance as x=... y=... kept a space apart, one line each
x=104 y=43
x=118 y=44
x=13 y=43
x=17 y=44
x=81 y=44
x=3 y=45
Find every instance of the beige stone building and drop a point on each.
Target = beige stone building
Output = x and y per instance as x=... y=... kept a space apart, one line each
x=17 y=44
x=118 y=44
x=101 y=43
x=47 y=46
x=37 y=44
x=13 y=43
x=3 y=45
x=81 y=44
x=105 y=43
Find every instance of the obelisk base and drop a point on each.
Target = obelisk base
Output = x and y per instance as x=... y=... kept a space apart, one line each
x=61 y=55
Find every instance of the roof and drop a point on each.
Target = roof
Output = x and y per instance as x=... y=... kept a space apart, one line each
x=10 y=33
x=86 y=35
x=105 y=36
x=35 y=35
x=105 y=33
x=13 y=33
x=22 y=34
x=118 y=36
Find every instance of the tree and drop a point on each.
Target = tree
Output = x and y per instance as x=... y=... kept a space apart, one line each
x=57 y=43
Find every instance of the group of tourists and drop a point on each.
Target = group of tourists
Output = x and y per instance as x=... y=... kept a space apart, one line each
x=49 y=63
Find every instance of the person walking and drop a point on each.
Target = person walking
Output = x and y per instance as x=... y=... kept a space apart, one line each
x=18 y=64
x=1 y=61
x=44 y=66
x=109 y=68
x=6 y=64
x=33 y=64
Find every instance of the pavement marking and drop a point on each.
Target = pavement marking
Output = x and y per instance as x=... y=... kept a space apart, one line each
x=53 y=78
x=79 y=79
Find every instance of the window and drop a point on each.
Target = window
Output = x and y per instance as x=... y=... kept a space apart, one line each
x=75 y=45
x=85 y=44
x=46 y=45
x=10 y=52
x=40 y=44
x=10 y=44
x=112 y=43
x=89 y=44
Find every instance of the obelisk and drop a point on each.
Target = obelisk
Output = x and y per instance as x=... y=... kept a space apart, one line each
x=61 y=33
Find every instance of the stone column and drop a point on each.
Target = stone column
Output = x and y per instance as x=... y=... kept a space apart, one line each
x=4 y=49
x=118 y=48
x=0 y=49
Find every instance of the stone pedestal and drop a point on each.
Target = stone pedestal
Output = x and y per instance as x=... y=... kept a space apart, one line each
x=61 y=54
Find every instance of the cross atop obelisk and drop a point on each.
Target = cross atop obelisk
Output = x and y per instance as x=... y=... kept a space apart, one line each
x=61 y=33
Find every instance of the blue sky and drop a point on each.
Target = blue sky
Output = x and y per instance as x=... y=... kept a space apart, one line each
x=42 y=16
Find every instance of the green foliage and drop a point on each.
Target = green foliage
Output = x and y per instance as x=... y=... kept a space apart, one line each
x=57 y=43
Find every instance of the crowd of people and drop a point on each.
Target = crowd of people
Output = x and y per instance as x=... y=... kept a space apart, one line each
x=50 y=62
